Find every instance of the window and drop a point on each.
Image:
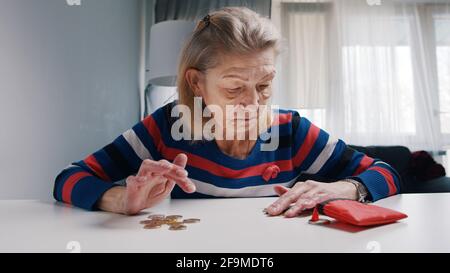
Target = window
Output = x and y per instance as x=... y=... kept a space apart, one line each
x=381 y=76
x=442 y=32
x=372 y=75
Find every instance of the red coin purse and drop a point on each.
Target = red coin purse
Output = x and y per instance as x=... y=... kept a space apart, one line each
x=359 y=214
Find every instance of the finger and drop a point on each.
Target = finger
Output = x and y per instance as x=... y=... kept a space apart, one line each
x=173 y=166
x=168 y=188
x=174 y=172
x=140 y=181
x=305 y=203
x=181 y=179
x=149 y=166
x=311 y=193
x=299 y=206
x=288 y=198
x=280 y=190
x=185 y=183
x=147 y=184
x=158 y=188
x=169 y=171
x=161 y=167
x=180 y=160
x=322 y=197
x=131 y=181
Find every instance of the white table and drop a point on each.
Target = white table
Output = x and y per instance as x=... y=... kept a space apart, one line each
x=227 y=225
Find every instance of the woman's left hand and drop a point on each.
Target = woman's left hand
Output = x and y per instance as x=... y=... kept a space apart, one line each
x=306 y=195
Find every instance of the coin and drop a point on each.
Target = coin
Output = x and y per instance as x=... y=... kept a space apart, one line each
x=160 y=222
x=156 y=216
x=191 y=220
x=176 y=223
x=152 y=226
x=176 y=217
x=170 y=220
x=146 y=222
x=177 y=227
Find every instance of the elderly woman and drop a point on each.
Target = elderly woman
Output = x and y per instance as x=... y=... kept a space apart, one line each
x=229 y=61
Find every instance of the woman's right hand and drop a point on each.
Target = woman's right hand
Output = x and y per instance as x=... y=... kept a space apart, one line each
x=153 y=182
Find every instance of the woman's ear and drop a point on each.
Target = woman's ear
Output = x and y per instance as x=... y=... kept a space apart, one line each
x=195 y=79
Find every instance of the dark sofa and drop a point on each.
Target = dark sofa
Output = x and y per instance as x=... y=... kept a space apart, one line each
x=398 y=157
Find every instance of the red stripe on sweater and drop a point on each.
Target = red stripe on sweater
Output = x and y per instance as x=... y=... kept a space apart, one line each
x=219 y=170
x=307 y=145
x=364 y=164
x=281 y=119
x=208 y=165
x=70 y=183
x=153 y=130
x=388 y=177
x=93 y=164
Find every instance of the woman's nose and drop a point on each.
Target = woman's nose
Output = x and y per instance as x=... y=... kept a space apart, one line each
x=251 y=98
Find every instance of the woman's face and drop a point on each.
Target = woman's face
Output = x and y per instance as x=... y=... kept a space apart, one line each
x=241 y=82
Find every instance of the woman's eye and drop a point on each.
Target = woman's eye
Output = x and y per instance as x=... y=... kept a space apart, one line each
x=237 y=89
x=263 y=86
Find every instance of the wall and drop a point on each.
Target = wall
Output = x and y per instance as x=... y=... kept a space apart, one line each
x=68 y=86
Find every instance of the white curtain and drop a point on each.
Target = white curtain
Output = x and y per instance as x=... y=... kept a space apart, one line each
x=369 y=72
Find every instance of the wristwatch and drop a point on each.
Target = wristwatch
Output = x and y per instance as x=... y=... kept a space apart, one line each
x=360 y=189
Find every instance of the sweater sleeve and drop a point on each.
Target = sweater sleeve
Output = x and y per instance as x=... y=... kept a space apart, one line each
x=317 y=153
x=83 y=183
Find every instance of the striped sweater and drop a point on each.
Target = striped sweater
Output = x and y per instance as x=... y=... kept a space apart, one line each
x=303 y=149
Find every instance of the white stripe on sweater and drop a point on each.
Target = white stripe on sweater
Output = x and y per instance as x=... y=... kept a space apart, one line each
x=136 y=144
x=324 y=155
x=251 y=191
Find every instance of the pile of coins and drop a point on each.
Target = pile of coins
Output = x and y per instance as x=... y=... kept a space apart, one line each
x=174 y=222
